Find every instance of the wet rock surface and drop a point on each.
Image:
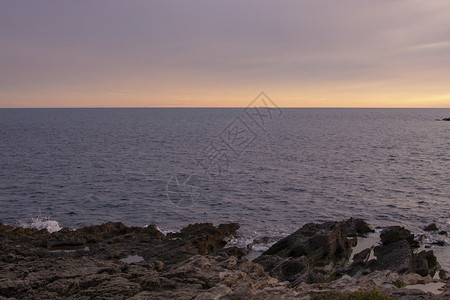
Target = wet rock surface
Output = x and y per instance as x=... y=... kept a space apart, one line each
x=195 y=264
x=431 y=227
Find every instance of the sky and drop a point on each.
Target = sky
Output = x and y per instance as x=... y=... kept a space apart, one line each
x=143 y=53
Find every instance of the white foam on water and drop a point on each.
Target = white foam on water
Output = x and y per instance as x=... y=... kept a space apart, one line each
x=370 y=241
x=260 y=248
x=165 y=232
x=41 y=223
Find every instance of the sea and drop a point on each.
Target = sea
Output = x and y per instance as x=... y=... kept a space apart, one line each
x=271 y=170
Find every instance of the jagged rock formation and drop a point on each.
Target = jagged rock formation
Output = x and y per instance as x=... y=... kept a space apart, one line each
x=194 y=264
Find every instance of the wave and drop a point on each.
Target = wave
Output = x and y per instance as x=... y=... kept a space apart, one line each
x=40 y=223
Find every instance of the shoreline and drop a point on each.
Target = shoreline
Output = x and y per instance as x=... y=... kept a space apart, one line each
x=198 y=261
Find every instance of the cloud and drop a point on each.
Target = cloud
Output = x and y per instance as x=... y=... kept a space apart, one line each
x=170 y=46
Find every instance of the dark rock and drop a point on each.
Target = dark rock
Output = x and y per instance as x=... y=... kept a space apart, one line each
x=439 y=243
x=233 y=251
x=360 y=262
x=443 y=275
x=420 y=265
x=70 y=243
x=190 y=264
x=396 y=233
x=431 y=227
x=443 y=232
x=396 y=256
x=313 y=246
x=362 y=256
x=399 y=257
x=203 y=238
x=263 y=240
x=356 y=227
x=425 y=263
x=446 y=119
x=292 y=269
x=322 y=244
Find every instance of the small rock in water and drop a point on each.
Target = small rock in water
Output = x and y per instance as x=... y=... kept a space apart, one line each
x=263 y=240
x=439 y=243
x=446 y=119
x=443 y=275
x=431 y=227
x=442 y=232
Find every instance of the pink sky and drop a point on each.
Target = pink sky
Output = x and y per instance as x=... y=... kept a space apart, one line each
x=358 y=53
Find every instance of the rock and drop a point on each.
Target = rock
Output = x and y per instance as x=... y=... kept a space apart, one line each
x=356 y=227
x=359 y=262
x=420 y=264
x=292 y=269
x=322 y=244
x=431 y=227
x=446 y=119
x=233 y=251
x=442 y=232
x=396 y=233
x=439 y=243
x=195 y=239
x=191 y=264
x=362 y=256
x=399 y=257
x=443 y=275
x=396 y=256
x=433 y=265
x=297 y=257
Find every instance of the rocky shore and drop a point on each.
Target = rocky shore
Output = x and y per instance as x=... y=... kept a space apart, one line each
x=113 y=261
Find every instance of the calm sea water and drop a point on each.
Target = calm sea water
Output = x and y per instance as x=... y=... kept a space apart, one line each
x=173 y=167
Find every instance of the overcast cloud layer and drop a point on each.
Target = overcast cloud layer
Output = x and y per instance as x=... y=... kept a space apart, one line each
x=222 y=53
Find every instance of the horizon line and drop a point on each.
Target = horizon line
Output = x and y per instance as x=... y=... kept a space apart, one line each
x=196 y=107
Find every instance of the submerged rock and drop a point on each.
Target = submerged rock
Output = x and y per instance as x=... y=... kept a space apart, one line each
x=431 y=227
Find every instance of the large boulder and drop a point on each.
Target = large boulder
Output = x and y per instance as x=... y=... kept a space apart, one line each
x=321 y=244
x=307 y=255
x=425 y=263
x=396 y=256
x=397 y=233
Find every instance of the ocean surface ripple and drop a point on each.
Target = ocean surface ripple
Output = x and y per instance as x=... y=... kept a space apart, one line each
x=89 y=166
